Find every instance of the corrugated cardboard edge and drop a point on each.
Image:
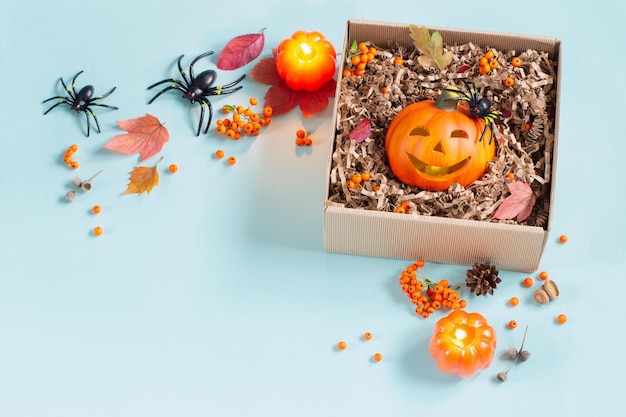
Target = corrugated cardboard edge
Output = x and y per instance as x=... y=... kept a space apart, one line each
x=437 y=239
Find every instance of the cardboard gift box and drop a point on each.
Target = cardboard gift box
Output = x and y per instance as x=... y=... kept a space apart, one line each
x=367 y=232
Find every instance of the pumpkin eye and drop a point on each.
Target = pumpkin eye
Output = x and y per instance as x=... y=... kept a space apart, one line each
x=459 y=134
x=419 y=131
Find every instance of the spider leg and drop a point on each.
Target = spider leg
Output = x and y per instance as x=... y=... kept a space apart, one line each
x=64 y=101
x=168 y=80
x=73 y=85
x=201 y=117
x=226 y=88
x=87 y=112
x=105 y=95
x=182 y=71
x=175 y=86
x=103 y=105
x=208 y=102
x=196 y=59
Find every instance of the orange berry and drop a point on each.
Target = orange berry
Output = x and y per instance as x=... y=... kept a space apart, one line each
x=97 y=230
x=355 y=60
x=362 y=46
x=240 y=109
x=489 y=55
x=361 y=66
x=74 y=165
x=462 y=304
x=346 y=73
x=512 y=324
x=400 y=210
x=96 y=209
x=173 y=168
x=516 y=61
x=514 y=301
x=483 y=61
x=543 y=275
x=231 y=160
x=494 y=64
x=561 y=318
x=510 y=176
x=365 y=176
x=300 y=142
x=398 y=60
x=376 y=188
x=367 y=336
x=308 y=141
x=484 y=69
x=267 y=112
x=73 y=147
x=377 y=357
x=372 y=50
x=352 y=184
x=219 y=154
x=301 y=134
x=384 y=90
x=563 y=238
x=254 y=101
x=357 y=178
x=508 y=82
x=342 y=345
x=221 y=129
x=420 y=263
x=528 y=282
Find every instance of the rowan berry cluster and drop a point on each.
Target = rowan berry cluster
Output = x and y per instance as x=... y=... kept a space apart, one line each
x=487 y=63
x=359 y=55
x=402 y=208
x=428 y=296
x=302 y=138
x=357 y=178
x=67 y=156
x=244 y=121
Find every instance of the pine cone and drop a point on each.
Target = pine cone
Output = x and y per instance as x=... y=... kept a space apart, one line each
x=482 y=278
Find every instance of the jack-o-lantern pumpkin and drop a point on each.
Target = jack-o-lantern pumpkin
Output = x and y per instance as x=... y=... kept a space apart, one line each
x=434 y=144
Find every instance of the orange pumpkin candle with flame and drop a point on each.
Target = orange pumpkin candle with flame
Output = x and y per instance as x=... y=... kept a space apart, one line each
x=434 y=144
x=463 y=343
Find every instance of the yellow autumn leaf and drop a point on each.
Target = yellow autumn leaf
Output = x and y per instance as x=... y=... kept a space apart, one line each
x=143 y=179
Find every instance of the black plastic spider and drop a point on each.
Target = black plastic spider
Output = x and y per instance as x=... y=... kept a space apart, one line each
x=480 y=108
x=197 y=89
x=81 y=101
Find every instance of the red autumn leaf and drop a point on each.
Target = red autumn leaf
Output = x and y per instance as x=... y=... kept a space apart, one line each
x=282 y=99
x=146 y=136
x=519 y=204
x=361 y=131
x=241 y=50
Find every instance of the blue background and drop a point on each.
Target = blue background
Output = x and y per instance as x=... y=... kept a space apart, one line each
x=213 y=295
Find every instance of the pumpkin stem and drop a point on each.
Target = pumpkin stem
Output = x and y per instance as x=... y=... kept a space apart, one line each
x=449 y=99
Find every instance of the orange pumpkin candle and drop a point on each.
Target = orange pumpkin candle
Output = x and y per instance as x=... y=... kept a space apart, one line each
x=306 y=61
x=463 y=343
x=433 y=144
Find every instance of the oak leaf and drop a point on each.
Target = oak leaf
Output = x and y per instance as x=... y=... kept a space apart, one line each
x=145 y=135
x=431 y=47
x=283 y=99
x=241 y=50
x=519 y=204
x=361 y=131
x=143 y=179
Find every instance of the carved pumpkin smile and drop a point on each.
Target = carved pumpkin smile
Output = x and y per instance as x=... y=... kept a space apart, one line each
x=435 y=170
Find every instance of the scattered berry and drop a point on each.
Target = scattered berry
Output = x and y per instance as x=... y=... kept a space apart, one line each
x=561 y=318
x=516 y=61
x=563 y=238
x=96 y=209
x=514 y=301
x=528 y=282
x=512 y=324
x=254 y=101
x=97 y=230
x=301 y=134
x=543 y=275
x=219 y=154
x=173 y=168
x=367 y=336
x=342 y=345
x=398 y=60
x=377 y=357
x=231 y=160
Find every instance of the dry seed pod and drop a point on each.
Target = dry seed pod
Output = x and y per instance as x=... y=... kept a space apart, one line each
x=70 y=196
x=551 y=289
x=541 y=296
